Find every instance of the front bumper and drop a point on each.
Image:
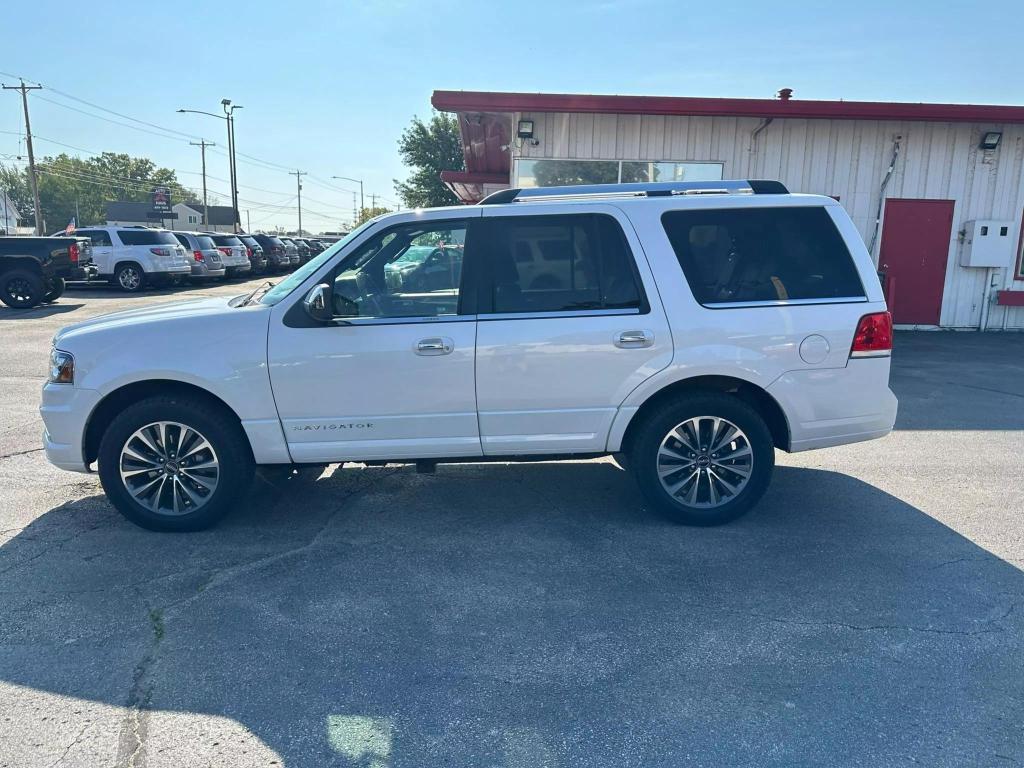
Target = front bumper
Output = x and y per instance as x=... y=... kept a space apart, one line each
x=65 y=409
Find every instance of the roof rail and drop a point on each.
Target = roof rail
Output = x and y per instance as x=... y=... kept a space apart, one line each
x=638 y=189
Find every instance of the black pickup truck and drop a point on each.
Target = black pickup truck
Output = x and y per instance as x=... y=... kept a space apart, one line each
x=33 y=269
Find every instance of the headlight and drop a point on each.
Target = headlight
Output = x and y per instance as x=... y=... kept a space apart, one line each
x=62 y=367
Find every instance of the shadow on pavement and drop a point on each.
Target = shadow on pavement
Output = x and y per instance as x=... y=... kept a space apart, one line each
x=948 y=380
x=532 y=615
x=34 y=313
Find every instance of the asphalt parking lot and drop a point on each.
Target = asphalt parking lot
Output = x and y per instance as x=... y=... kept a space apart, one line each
x=869 y=612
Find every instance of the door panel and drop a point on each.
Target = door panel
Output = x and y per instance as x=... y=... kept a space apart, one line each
x=368 y=392
x=551 y=380
x=913 y=256
x=553 y=385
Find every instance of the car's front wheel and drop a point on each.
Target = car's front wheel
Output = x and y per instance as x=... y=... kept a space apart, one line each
x=703 y=460
x=174 y=463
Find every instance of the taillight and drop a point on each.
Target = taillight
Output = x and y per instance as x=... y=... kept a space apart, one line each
x=226 y=250
x=73 y=253
x=873 y=337
x=160 y=251
x=248 y=251
x=197 y=255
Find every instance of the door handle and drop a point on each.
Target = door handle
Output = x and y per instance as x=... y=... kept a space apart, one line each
x=438 y=345
x=634 y=339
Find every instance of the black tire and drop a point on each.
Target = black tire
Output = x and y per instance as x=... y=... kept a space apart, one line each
x=129 y=277
x=21 y=288
x=644 y=459
x=220 y=428
x=55 y=290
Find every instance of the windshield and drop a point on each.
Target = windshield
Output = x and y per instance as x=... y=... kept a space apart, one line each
x=146 y=237
x=296 y=278
x=417 y=254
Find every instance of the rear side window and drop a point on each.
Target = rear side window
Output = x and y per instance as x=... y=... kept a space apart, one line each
x=559 y=263
x=762 y=254
x=145 y=237
x=97 y=236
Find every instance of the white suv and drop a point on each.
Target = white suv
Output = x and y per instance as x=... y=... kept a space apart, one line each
x=131 y=257
x=688 y=329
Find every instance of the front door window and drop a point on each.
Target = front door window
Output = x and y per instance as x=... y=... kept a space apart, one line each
x=413 y=270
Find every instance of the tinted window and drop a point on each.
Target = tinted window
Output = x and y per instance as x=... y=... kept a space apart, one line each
x=204 y=242
x=559 y=263
x=226 y=240
x=97 y=236
x=183 y=240
x=274 y=242
x=762 y=254
x=146 y=237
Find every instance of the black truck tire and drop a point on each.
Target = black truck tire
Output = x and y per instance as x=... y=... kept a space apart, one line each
x=21 y=288
x=55 y=290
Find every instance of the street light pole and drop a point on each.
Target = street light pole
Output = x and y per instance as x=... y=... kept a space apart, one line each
x=362 y=204
x=229 y=118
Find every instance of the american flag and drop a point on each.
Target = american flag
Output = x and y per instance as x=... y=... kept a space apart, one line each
x=70 y=228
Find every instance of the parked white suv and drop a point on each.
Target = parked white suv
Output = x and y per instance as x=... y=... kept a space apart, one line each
x=689 y=329
x=132 y=257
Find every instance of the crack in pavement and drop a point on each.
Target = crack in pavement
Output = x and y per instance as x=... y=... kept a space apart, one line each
x=21 y=453
x=131 y=742
x=71 y=746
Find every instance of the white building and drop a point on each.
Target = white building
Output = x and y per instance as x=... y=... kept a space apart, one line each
x=220 y=218
x=936 y=190
x=8 y=215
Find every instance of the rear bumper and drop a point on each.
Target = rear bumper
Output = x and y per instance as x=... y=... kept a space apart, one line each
x=65 y=410
x=834 y=406
x=199 y=269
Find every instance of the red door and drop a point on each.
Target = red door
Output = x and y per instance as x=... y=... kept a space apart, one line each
x=913 y=256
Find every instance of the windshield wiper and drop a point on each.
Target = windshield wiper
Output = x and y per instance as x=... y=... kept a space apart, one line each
x=268 y=285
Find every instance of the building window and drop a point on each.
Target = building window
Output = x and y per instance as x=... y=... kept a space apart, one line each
x=562 y=172
x=192 y=219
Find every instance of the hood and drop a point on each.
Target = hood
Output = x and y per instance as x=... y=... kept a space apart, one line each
x=161 y=313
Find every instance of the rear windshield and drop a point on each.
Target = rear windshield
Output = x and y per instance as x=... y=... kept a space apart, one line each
x=204 y=242
x=762 y=255
x=226 y=240
x=250 y=241
x=146 y=237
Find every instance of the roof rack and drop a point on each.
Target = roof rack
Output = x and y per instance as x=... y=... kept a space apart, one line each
x=638 y=189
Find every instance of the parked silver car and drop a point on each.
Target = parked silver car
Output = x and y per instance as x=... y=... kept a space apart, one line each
x=206 y=259
x=234 y=253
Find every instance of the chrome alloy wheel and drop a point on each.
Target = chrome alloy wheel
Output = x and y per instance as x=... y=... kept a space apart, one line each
x=169 y=468
x=129 y=278
x=705 y=462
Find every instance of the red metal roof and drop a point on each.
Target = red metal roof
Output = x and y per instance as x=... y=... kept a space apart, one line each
x=489 y=101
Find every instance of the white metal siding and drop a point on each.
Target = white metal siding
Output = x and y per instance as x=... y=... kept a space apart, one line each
x=844 y=158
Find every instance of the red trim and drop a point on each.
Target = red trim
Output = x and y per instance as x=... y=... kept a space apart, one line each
x=1010 y=298
x=488 y=101
x=469 y=177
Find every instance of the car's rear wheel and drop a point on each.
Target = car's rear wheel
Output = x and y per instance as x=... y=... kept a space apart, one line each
x=129 y=277
x=55 y=289
x=703 y=460
x=21 y=288
x=173 y=463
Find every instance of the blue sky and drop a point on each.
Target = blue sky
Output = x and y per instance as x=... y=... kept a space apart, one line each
x=327 y=87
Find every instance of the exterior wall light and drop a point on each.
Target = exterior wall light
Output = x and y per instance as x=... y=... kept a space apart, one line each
x=525 y=129
x=990 y=140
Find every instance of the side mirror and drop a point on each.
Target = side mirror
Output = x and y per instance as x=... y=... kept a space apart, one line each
x=318 y=303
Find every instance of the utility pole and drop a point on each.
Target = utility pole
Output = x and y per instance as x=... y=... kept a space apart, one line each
x=373 y=202
x=248 y=225
x=298 y=183
x=203 y=144
x=31 y=155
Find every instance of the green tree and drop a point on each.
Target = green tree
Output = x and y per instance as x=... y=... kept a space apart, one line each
x=72 y=184
x=366 y=214
x=429 y=148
